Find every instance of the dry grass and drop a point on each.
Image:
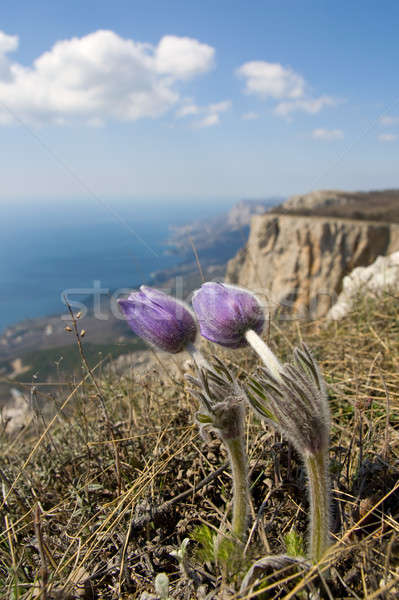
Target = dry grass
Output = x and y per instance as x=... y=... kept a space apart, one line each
x=93 y=512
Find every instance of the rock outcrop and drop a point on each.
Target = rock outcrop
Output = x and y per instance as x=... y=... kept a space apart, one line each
x=318 y=199
x=374 y=205
x=296 y=264
x=17 y=413
x=381 y=275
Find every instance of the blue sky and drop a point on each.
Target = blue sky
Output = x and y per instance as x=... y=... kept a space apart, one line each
x=188 y=99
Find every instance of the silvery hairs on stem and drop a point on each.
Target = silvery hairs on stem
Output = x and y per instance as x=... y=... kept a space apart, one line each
x=222 y=409
x=297 y=405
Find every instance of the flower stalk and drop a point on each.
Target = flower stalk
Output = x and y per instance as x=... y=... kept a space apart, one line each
x=268 y=357
x=197 y=356
x=238 y=461
x=319 y=499
x=296 y=404
x=222 y=410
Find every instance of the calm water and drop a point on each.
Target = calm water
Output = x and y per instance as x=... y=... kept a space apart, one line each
x=46 y=248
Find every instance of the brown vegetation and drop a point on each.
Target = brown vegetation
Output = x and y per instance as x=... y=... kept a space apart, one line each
x=366 y=206
x=95 y=501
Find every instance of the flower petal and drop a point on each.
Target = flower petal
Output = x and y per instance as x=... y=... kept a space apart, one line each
x=159 y=319
x=225 y=313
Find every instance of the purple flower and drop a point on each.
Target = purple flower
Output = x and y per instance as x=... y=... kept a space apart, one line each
x=159 y=319
x=225 y=313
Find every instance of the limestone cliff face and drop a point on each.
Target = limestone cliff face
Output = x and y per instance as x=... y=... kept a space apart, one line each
x=297 y=264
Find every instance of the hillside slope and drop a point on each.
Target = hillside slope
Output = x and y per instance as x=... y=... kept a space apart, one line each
x=88 y=517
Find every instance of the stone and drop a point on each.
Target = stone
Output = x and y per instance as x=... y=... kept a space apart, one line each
x=17 y=413
x=381 y=275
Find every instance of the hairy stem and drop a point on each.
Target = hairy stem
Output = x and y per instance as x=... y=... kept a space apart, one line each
x=238 y=460
x=268 y=357
x=198 y=357
x=319 y=496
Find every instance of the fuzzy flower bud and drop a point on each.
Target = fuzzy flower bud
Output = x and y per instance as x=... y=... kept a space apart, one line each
x=221 y=399
x=297 y=404
x=225 y=314
x=222 y=410
x=159 y=319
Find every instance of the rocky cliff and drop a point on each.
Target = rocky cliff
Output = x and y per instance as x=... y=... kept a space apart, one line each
x=374 y=205
x=318 y=199
x=297 y=263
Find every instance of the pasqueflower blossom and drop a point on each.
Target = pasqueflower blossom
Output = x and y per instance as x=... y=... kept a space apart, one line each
x=232 y=317
x=159 y=319
x=225 y=313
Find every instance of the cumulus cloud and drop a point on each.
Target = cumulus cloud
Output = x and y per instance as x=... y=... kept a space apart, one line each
x=387 y=120
x=388 y=137
x=271 y=80
x=98 y=77
x=210 y=113
x=282 y=84
x=327 y=134
x=8 y=43
x=183 y=57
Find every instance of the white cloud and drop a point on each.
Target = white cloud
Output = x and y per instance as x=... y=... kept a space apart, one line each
x=311 y=106
x=387 y=120
x=271 y=80
x=387 y=137
x=8 y=43
x=219 y=107
x=327 y=134
x=250 y=116
x=183 y=57
x=187 y=110
x=274 y=81
x=208 y=121
x=98 y=77
x=211 y=113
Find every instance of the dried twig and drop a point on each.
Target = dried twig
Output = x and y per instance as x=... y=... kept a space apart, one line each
x=100 y=397
x=43 y=561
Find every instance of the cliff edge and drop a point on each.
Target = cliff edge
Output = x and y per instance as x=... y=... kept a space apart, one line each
x=296 y=264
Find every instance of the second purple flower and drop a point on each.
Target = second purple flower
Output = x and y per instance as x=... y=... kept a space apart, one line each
x=225 y=314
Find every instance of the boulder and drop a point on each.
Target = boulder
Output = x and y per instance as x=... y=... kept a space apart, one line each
x=17 y=413
x=381 y=275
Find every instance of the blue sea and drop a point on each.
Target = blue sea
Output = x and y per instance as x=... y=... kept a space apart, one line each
x=49 y=246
